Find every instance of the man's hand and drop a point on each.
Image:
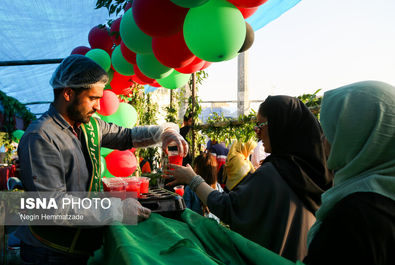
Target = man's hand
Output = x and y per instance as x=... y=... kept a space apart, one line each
x=170 y=135
x=133 y=211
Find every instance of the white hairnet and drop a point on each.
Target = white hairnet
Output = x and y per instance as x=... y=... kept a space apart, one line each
x=77 y=71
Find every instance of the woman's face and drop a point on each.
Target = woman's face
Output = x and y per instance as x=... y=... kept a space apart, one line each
x=262 y=132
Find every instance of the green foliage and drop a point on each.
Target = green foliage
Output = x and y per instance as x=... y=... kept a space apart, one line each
x=313 y=102
x=171 y=113
x=5 y=139
x=172 y=109
x=146 y=110
x=195 y=109
x=227 y=130
x=12 y=108
x=113 y=6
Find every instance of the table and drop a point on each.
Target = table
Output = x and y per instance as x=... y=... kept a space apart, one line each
x=194 y=240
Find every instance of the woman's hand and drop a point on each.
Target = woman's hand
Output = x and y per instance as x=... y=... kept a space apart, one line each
x=182 y=175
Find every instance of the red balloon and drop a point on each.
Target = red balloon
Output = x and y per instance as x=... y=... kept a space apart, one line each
x=114 y=31
x=158 y=18
x=138 y=80
x=121 y=84
x=121 y=163
x=206 y=64
x=122 y=91
x=247 y=12
x=172 y=51
x=133 y=150
x=108 y=103
x=154 y=84
x=80 y=50
x=129 y=55
x=141 y=76
x=100 y=39
x=247 y=3
x=194 y=66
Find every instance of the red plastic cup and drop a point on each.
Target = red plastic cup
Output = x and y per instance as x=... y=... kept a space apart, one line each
x=179 y=190
x=144 y=184
x=132 y=187
x=175 y=159
x=115 y=186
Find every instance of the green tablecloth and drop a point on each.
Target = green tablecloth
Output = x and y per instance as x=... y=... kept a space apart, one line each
x=196 y=240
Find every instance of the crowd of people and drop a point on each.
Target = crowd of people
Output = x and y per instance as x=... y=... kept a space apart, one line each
x=319 y=192
x=324 y=195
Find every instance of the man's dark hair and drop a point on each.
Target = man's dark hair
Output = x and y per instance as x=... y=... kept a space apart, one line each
x=58 y=91
x=187 y=116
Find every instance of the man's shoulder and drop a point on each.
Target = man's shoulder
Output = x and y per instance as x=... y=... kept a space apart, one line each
x=44 y=124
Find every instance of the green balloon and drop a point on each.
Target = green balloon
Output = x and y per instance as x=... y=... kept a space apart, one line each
x=120 y=64
x=125 y=116
x=214 y=31
x=174 y=80
x=132 y=36
x=103 y=165
x=108 y=86
x=110 y=75
x=105 y=151
x=107 y=174
x=96 y=115
x=17 y=135
x=151 y=67
x=101 y=57
x=189 y=3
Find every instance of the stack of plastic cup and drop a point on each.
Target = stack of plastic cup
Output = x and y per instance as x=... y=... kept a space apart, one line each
x=144 y=184
x=132 y=187
x=115 y=186
x=174 y=156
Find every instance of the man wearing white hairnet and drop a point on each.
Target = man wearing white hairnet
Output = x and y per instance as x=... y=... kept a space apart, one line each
x=60 y=152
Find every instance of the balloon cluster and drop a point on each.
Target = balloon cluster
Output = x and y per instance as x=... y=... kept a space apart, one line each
x=161 y=43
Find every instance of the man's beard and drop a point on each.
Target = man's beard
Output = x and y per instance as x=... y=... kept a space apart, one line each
x=74 y=114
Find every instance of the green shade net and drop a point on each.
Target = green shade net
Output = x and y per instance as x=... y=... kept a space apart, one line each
x=195 y=240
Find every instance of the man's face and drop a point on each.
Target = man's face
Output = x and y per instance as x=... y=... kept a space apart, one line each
x=84 y=105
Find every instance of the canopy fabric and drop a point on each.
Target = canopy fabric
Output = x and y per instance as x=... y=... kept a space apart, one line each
x=41 y=29
x=194 y=240
x=45 y=29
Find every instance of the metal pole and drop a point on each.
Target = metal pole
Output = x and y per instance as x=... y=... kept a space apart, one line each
x=171 y=98
x=193 y=114
x=31 y=62
x=37 y=103
x=243 y=104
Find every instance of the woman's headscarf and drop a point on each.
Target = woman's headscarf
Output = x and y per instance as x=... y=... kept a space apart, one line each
x=359 y=122
x=237 y=164
x=297 y=148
